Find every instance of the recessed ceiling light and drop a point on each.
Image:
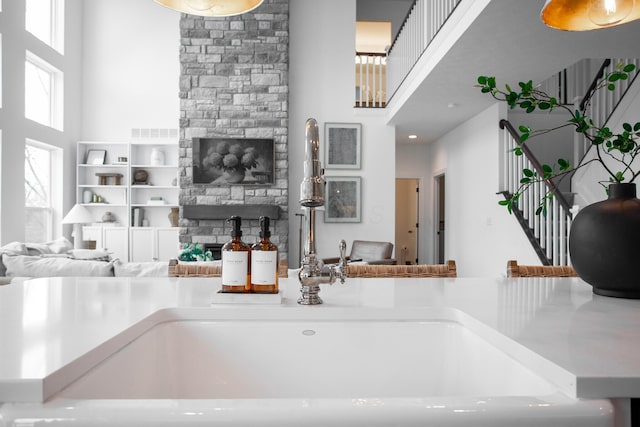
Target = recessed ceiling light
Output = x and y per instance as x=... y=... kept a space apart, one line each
x=413 y=136
x=452 y=105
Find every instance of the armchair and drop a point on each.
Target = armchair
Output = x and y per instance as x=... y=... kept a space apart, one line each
x=374 y=253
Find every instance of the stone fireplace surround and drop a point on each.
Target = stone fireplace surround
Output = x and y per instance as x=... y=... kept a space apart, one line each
x=234 y=83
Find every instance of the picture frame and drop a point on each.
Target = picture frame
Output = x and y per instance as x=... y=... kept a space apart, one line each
x=342 y=199
x=342 y=145
x=233 y=161
x=96 y=157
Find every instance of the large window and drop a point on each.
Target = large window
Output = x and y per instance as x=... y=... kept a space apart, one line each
x=41 y=190
x=43 y=92
x=45 y=20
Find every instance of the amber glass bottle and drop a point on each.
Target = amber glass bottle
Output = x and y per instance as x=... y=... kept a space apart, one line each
x=264 y=262
x=236 y=259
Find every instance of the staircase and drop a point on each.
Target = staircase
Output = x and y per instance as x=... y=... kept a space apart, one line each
x=549 y=234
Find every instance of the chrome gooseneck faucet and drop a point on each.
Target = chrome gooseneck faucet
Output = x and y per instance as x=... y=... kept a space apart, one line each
x=312 y=273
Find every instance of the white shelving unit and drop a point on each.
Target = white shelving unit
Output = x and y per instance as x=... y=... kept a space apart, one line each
x=120 y=194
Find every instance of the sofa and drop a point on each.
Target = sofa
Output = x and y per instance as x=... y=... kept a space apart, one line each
x=58 y=258
x=369 y=252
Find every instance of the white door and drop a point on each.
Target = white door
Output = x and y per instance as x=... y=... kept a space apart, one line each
x=142 y=244
x=115 y=240
x=407 y=196
x=167 y=243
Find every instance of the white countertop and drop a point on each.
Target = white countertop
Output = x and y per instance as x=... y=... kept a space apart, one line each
x=53 y=330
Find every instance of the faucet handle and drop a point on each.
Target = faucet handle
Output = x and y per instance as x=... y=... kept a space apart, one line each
x=342 y=265
x=343 y=251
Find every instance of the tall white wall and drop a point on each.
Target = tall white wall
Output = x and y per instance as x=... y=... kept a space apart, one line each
x=322 y=82
x=16 y=128
x=480 y=235
x=130 y=68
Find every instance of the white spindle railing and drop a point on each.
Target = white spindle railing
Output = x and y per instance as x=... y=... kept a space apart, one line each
x=604 y=102
x=423 y=22
x=550 y=230
x=371 y=83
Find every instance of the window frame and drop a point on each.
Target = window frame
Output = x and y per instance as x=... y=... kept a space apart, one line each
x=54 y=208
x=56 y=21
x=56 y=96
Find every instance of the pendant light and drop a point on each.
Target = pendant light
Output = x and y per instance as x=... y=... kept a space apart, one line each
x=583 y=15
x=211 y=7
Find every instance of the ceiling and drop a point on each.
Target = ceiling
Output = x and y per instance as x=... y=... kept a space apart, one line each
x=506 y=40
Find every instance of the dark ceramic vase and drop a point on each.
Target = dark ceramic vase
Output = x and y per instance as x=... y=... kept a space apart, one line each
x=605 y=243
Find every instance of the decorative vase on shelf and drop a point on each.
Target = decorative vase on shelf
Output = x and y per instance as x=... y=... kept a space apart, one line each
x=234 y=176
x=157 y=157
x=87 y=196
x=604 y=243
x=174 y=216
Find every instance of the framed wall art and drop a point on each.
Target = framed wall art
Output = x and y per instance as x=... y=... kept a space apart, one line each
x=342 y=199
x=342 y=145
x=96 y=157
x=233 y=161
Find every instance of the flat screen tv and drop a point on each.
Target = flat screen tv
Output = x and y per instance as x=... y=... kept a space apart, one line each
x=233 y=161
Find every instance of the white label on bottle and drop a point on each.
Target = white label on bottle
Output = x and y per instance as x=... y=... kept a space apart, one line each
x=234 y=268
x=264 y=267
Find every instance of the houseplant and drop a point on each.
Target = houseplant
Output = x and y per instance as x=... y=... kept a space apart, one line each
x=615 y=152
x=193 y=252
x=604 y=235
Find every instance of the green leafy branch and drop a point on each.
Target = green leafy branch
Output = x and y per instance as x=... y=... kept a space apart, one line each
x=621 y=147
x=194 y=253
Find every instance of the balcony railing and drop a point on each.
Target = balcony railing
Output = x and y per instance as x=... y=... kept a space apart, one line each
x=424 y=20
x=371 y=79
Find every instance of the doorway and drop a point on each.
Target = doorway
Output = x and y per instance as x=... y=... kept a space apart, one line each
x=407 y=214
x=439 y=204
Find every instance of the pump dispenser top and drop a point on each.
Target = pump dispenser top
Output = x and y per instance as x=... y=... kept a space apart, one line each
x=264 y=227
x=236 y=230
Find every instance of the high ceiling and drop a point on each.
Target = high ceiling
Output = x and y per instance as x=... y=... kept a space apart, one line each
x=506 y=40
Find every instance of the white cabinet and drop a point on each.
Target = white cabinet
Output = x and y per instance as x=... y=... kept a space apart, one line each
x=133 y=181
x=154 y=243
x=113 y=239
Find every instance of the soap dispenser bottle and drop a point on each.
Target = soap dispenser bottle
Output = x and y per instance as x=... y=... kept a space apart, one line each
x=264 y=262
x=236 y=273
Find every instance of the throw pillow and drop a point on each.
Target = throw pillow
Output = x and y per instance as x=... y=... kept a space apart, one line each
x=13 y=248
x=90 y=254
x=140 y=269
x=58 y=246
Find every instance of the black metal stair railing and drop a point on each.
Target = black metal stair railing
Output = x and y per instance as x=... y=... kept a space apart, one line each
x=548 y=234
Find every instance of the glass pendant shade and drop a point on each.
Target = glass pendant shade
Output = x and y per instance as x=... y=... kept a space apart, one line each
x=211 y=7
x=583 y=15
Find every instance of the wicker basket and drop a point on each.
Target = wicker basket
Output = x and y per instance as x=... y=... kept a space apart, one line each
x=515 y=270
x=198 y=270
x=435 y=270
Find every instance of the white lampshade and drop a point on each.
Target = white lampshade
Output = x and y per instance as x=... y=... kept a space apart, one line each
x=211 y=7
x=78 y=215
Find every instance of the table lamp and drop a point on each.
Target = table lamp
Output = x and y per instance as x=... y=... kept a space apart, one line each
x=78 y=215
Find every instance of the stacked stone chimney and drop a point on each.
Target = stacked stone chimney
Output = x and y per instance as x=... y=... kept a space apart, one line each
x=234 y=83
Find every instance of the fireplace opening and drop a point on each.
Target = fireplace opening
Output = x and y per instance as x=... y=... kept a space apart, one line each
x=215 y=248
